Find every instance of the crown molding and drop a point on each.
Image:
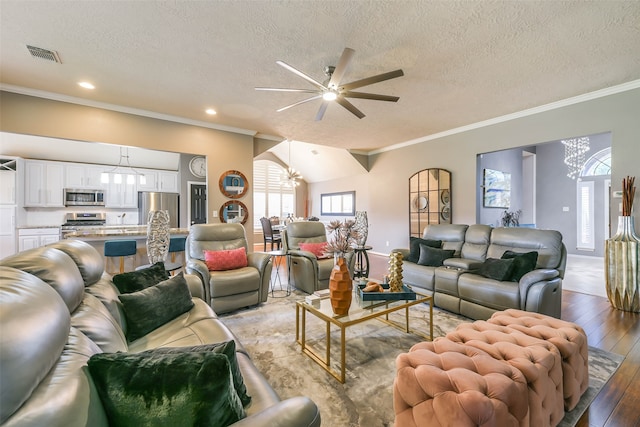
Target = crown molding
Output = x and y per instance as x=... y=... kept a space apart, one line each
x=112 y=107
x=634 y=84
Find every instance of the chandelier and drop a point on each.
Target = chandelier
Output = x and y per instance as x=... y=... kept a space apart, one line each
x=574 y=151
x=123 y=169
x=290 y=178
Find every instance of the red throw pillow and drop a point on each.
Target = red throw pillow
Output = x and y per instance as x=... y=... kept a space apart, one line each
x=226 y=259
x=318 y=249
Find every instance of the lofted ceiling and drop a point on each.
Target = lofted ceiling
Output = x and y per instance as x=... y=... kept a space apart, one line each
x=464 y=61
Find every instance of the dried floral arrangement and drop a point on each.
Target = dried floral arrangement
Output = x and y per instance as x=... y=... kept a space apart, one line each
x=628 y=192
x=343 y=236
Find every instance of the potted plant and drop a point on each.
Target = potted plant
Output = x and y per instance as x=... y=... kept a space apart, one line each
x=511 y=219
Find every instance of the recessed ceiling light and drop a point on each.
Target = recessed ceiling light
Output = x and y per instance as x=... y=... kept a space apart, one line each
x=210 y=111
x=86 y=85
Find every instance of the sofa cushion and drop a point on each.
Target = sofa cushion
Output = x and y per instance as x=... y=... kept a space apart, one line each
x=224 y=260
x=497 y=269
x=227 y=348
x=414 y=247
x=433 y=257
x=154 y=389
x=152 y=307
x=134 y=281
x=318 y=248
x=522 y=263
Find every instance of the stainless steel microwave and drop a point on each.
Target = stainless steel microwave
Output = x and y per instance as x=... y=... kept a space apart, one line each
x=82 y=197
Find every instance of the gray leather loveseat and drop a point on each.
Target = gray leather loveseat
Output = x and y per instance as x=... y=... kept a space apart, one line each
x=58 y=308
x=459 y=286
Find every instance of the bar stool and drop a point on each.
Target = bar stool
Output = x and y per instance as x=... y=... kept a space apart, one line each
x=120 y=248
x=176 y=244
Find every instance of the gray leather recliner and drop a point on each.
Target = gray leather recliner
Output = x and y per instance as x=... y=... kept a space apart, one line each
x=232 y=289
x=306 y=271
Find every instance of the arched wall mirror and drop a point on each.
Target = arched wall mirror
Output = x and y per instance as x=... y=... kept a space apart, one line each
x=233 y=184
x=234 y=211
x=429 y=199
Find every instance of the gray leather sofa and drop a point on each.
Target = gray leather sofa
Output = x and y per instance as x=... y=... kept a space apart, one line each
x=456 y=285
x=58 y=308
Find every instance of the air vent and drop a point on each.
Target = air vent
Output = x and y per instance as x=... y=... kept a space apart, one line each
x=49 y=55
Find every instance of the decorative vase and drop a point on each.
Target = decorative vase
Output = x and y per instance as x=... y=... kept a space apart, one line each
x=395 y=272
x=340 y=287
x=158 y=236
x=622 y=268
x=362 y=227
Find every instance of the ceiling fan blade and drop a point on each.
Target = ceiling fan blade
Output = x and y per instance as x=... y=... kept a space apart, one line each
x=374 y=96
x=372 y=80
x=341 y=68
x=276 y=89
x=349 y=106
x=299 y=102
x=321 y=110
x=301 y=74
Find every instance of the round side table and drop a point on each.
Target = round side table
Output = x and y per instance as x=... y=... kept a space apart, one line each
x=361 y=268
x=277 y=257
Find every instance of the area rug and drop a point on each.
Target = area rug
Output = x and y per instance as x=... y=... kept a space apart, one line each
x=366 y=399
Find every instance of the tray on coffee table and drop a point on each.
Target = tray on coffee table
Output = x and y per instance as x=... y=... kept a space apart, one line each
x=405 y=294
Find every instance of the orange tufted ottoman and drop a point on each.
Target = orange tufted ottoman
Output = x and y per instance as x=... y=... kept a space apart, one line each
x=538 y=360
x=443 y=383
x=568 y=337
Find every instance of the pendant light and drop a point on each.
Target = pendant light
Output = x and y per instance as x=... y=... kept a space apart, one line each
x=121 y=169
x=291 y=176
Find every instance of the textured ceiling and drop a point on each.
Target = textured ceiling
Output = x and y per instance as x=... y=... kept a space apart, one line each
x=464 y=62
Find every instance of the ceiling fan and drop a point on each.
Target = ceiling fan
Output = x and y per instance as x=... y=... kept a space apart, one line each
x=332 y=89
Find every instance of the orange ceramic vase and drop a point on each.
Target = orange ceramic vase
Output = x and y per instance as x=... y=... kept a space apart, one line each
x=340 y=287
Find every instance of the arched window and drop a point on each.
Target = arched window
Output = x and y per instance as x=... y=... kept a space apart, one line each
x=270 y=197
x=598 y=164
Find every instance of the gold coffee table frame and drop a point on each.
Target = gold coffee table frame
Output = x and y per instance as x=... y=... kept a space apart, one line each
x=360 y=311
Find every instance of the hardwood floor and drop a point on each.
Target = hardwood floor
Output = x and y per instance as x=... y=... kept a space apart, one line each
x=618 y=403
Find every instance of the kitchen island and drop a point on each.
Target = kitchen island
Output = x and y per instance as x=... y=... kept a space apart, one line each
x=96 y=236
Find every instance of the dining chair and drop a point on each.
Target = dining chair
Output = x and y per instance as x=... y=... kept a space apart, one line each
x=269 y=234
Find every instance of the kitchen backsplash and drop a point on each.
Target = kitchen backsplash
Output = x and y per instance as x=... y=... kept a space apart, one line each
x=41 y=217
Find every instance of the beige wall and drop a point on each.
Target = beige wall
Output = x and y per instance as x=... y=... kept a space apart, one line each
x=224 y=150
x=383 y=192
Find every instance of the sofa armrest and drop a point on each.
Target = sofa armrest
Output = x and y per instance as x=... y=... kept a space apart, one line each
x=305 y=254
x=403 y=251
x=199 y=268
x=462 y=263
x=533 y=277
x=294 y=412
x=196 y=287
x=262 y=262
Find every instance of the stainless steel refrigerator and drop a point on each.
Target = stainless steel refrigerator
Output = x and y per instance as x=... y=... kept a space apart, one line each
x=156 y=201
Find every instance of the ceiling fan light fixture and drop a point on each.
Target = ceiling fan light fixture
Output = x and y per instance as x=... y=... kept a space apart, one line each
x=329 y=95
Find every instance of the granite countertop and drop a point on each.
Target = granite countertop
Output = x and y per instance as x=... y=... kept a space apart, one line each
x=118 y=231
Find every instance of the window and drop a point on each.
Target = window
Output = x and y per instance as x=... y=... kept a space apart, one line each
x=338 y=203
x=269 y=197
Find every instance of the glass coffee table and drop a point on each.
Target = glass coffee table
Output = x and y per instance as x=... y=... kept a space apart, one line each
x=360 y=311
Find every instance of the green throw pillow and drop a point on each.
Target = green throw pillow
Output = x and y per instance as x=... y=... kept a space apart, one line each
x=522 y=263
x=496 y=269
x=153 y=389
x=227 y=348
x=152 y=307
x=414 y=247
x=433 y=257
x=138 y=280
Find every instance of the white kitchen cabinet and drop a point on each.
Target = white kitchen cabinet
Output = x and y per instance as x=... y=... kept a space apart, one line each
x=7 y=187
x=79 y=175
x=29 y=238
x=44 y=183
x=121 y=195
x=157 y=180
